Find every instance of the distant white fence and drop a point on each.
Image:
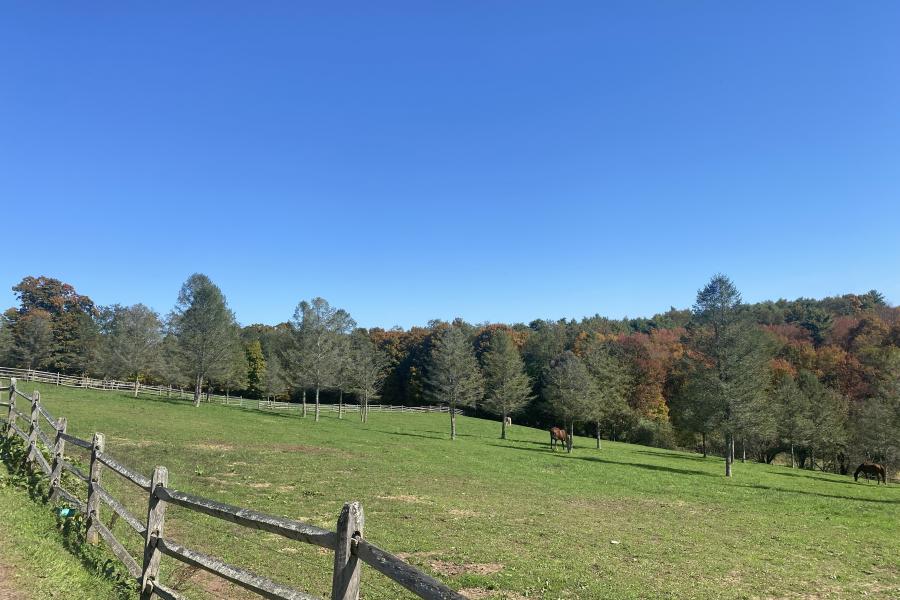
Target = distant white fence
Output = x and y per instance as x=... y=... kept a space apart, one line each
x=169 y=391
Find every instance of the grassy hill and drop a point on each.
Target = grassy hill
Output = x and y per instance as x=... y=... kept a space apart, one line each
x=499 y=519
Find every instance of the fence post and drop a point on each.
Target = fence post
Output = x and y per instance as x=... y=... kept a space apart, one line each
x=57 y=379
x=32 y=430
x=12 y=407
x=93 y=503
x=345 y=582
x=156 y=513
x=59 y=448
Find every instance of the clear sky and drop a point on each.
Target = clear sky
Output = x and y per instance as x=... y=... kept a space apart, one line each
x=497 y=161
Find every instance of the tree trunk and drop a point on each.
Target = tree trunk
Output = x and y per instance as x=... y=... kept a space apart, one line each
x=198 y=384
x=304 y=402
x=703 y=437
x=571 y=434
x=728 y=456
x=317 y=404
x=341 y=405
x=793 y=457
x=137 y=386
x=453 y=420
x=598 y=435
x=743 y=450
x=503 y=427
x=362 y=407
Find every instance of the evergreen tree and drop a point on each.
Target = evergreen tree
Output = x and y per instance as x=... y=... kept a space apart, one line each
x=612 y=382
x=205 y=330
x=507 y=386
x=827 y=416
x=569 y=390
x=730 y=361
x=320 y=332
x=256 y=368
x=795 y=427
x=453 y=374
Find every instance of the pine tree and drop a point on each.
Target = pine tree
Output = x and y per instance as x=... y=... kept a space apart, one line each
x=320 y=331
x=570 y=391
x=453 y=374
x=612 y=381
x=205 y=329
x=508 y=387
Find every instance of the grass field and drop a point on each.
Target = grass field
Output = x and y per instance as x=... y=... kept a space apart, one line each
x=498 y=519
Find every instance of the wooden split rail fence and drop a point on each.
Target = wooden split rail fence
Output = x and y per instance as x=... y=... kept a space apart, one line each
x=348 y=543
x=136 y=387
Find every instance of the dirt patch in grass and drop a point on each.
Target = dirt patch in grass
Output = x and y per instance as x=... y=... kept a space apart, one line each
x=212 y=446
x=259 y=486
x=404 y=498
x=216 y=587
x=485 y=594
x=407 y=555
x=457 y=512
x=452 y=569
x=118 y=441
x=8 y=589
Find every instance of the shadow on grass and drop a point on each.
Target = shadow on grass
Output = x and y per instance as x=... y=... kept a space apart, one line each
x=819 y=478
x=672 y=455
x=597 y=459
x=821 y=495
x=437 y=435
x=95 y=559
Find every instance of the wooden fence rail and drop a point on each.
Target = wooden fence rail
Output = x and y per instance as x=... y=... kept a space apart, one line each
x=168 y=390
x=351 y=550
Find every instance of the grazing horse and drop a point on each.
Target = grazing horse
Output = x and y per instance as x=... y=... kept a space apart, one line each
x=869 y=468
x=557 y=435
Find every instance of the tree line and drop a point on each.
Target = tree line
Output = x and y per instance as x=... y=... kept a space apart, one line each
x=815 y=383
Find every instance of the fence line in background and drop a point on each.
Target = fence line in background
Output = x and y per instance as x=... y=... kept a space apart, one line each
x=168 y=391
x=350 y=548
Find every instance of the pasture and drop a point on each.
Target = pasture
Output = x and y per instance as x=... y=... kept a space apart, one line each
x=496 y=519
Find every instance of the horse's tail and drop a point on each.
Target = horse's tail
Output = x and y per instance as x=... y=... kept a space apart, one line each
x=856 y=473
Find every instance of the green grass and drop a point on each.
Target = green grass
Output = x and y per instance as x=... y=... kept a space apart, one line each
x=502 y=519
x=34 y=561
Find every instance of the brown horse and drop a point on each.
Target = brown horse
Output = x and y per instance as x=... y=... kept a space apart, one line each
x=557 y=435
x=869 y=468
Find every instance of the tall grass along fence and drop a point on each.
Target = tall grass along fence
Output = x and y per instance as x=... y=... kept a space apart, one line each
x=136 y=387
x=347 y=542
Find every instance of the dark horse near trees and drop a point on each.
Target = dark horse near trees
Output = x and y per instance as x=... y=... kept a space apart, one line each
x=558 y=435
x=869 y=468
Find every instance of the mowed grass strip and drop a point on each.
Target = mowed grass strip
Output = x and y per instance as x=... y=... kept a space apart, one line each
x=497 y=519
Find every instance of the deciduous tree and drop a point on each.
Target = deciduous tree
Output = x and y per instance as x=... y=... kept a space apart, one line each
x=367 y=369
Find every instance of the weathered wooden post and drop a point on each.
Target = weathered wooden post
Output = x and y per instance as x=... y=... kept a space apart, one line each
x=93 y=504
x=59 y=448
x=57 y=379
x=32 y=429
x=12 y=408
x=156 y=514
x=345 y=582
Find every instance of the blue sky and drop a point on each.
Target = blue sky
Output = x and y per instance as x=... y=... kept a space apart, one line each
x=498 y=161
